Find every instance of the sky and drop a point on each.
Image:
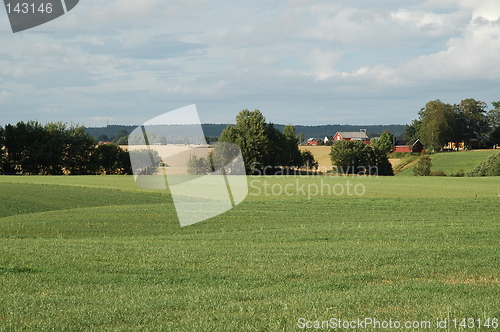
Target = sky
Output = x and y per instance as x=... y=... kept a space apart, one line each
x=297 y=61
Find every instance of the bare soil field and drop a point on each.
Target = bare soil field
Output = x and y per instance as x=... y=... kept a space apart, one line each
x=174 y=155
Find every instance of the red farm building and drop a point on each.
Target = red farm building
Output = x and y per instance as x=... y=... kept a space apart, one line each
x=352 y=136
x=404 y=147
x=314 y=141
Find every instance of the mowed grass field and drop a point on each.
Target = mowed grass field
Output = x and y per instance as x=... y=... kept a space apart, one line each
x=98 y=253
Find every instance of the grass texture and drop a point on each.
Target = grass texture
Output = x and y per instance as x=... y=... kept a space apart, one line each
x=100 y=254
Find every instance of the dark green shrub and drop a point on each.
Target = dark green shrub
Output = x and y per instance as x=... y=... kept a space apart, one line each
x=423 y=167
x=459 y=174
x=490 y=167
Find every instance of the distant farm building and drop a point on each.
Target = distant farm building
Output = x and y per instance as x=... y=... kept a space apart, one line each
x=454 y=146
x=314 y=141
x=352 y=136
x=328 y=139
x=404 y=147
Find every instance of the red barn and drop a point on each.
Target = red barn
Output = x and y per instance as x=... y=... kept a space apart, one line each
x=402 y=146
x=314 y=141
x=352 y=136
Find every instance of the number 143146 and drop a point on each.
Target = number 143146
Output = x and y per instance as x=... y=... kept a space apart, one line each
x=29 y=8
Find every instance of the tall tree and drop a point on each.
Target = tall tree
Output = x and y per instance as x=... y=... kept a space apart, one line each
x=301 y=138
x=78 y=153
x=261 y=144
x=110 y=159
x=249 y=133
x=495 y=137
x=473 y=115
x=423 y=166
x=437 y=125
x=494 y=115
x=412 y=131
x=2 y=151
x=293 y=157
x=56 y=144
x=276 y=152
x=385 y=143
x=25 y=145
x=355 y=157
x=308 y=160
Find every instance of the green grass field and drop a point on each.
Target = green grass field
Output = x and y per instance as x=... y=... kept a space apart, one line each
x=99 y=253
x=452 y=162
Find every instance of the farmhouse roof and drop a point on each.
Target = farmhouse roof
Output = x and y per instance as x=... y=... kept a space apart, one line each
x=355 y=135
x=401 y=142
x=418 y=142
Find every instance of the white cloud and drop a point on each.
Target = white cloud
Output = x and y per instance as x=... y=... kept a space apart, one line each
x=5 y=94
x=488 y=9
x=322 y=63
x=130 y=58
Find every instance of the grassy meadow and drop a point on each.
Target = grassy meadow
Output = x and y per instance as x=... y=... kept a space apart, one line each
x=453 y=162
x=98 y=253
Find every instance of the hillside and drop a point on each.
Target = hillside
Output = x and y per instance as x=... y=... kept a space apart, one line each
x=453 y=162
x=448 y=162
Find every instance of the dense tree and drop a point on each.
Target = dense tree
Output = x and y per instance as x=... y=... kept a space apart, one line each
x=495 y=137
x=473 y=115
x=249 y=133
x=54 y=149
x=489 y=167
x=292 y=154
x=437 y=125
x=80 y=146
x=111 y=159
x=25 y=145
x=301 y=138
x=308 y=160
x=385 y=142
x=441 y=123
x=412 y=130
x=276 y=151
x=494 y=115
x=355 y=157
x=2 y=151
x=261 y=144
x=199 y=165
x=381 y=160
x=146 y=161
x=423 y=166
x=349 y=156
x=120 y=137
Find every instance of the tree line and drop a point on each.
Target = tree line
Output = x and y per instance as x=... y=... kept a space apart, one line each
x=267 y=150
x=118 y=133
x=264 y=148
x=467 y=122
x=31 y=148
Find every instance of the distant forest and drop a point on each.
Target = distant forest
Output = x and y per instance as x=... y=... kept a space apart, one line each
x=211 y=130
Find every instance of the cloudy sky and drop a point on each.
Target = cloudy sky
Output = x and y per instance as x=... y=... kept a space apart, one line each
x=298 y=61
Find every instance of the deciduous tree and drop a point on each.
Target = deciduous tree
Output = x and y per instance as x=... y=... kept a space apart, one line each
x=423 y=166
x=385 y=143
x=494 y=115
x=261 y=144
x=436 y=129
